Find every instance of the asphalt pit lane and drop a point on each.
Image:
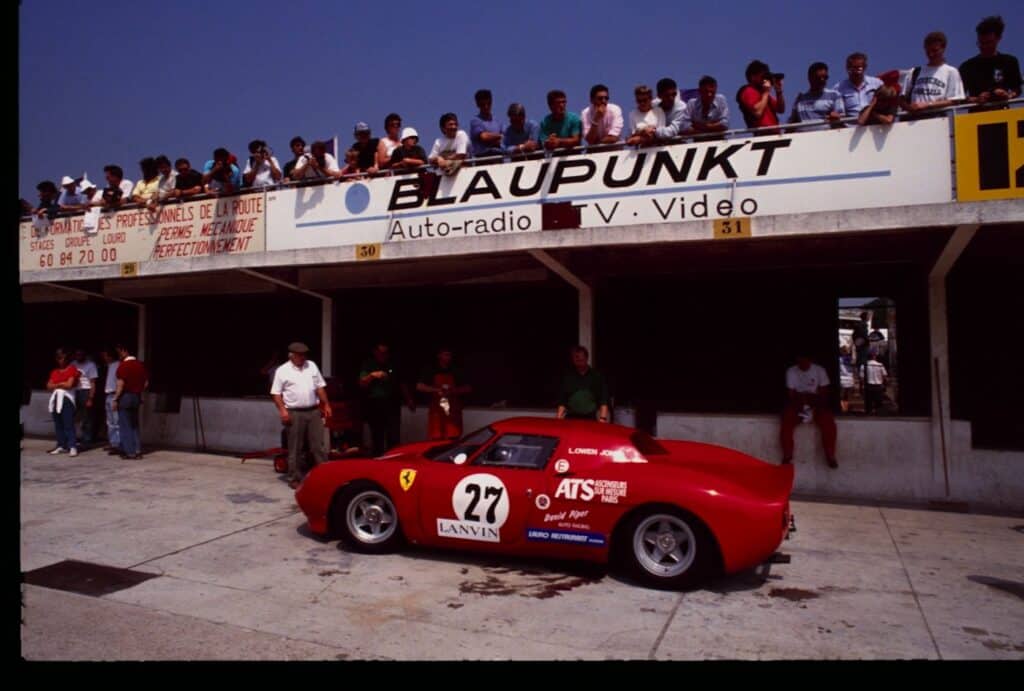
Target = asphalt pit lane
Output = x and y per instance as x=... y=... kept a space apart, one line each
x=249 y=498
x=1011 y=587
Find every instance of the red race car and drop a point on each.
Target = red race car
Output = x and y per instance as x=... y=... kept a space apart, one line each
x=673 y=512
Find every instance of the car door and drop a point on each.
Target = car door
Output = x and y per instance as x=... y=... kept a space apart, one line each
x=483 y=500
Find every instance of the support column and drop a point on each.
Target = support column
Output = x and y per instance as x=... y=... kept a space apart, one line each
x=585 y=319
x=326 y=335
x=938 y=324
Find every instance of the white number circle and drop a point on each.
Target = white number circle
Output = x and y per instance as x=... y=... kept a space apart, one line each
x=561 y=466
x=481 y=498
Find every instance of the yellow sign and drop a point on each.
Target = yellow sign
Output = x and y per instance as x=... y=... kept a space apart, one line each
x=368 y=252
x=406 y=478
x=728 y=228
x=989 y=155
x=129 y=269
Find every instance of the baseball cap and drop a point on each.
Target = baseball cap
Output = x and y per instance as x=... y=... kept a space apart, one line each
x=362 y=127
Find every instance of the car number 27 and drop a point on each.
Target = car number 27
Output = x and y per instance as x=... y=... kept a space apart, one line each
x=481 y=497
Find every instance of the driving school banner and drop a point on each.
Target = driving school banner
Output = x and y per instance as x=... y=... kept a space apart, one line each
x=232 y=225
x=848 y=168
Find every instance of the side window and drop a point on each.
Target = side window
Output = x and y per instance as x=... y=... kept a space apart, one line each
x=519 y=451
x=457 y=452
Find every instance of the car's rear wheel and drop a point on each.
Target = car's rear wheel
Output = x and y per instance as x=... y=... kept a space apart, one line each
x=667 y=548
x=366 y=518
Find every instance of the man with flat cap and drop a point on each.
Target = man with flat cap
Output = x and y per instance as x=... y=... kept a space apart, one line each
x=297 y=387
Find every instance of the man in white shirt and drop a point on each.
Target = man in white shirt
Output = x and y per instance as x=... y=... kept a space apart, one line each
x=876 y=375
x=168 y=178
x=110 y=388
x=936 y=85
x=316 y=164
x=602 y=120
x=297 y=387
x=262 y=170
x=85 y=394
x=806 y=399
x=451 y=148
x=70 y=199
x=645 y=117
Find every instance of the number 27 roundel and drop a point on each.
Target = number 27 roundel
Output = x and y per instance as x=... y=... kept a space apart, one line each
x=480 y=502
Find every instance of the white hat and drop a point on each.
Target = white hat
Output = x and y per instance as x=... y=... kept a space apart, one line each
x=86 y=183
x=409 y=132
x=67 y=180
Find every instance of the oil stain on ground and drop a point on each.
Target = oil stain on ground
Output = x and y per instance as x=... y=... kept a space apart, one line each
x=525 y=582
x=793 y=594
x=1011 y=587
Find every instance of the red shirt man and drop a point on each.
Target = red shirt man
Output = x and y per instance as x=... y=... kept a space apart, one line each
x=758 y=105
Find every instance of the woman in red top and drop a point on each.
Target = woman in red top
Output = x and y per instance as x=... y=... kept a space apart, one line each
x=446 y=389
x=62 y=403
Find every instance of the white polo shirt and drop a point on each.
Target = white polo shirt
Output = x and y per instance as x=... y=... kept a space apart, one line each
x=89 y=372
x=806 y=382
x=297 y=386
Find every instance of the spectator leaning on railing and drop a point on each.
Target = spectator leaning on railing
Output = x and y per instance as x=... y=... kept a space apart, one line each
x=859 y=87
x=220 y=174
x=70 y=199
x=452 y=147
x=189 y=182
x=885 y=104
x=367 y=148
x=317 y=164
x=991 y=75
x=147 y=189
x=522 y=136
x=48 y=205
x=485 y=130
x=645 y=117
x=298 y=147
x=118 y=190
x=756 y=102
x=168 y=178
x=709 y=111
x=561 y=128
x=262 y=169
x=390 y=141
x=818 y=103
x=935 y=85
x=602 y=120
x=410 y=154
x=677 y=119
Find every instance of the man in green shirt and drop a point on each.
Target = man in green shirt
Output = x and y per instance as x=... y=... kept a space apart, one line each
x=384 y=392
x=560 y=129
x=584 y=393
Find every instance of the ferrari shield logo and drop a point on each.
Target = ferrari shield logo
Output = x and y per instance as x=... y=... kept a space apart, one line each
x=406 y=478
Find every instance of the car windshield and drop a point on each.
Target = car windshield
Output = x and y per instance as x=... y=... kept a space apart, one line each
x=467 y=446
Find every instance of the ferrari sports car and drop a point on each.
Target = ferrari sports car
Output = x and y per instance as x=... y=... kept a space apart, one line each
x=670 y=512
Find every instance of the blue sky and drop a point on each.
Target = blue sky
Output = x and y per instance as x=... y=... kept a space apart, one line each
x=114 y=81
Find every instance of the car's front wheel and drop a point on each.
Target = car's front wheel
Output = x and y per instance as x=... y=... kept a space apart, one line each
x=667 y=548
x=366 y=518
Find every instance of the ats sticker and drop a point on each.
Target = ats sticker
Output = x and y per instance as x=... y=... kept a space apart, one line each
x=570 y=537
x=579 y=489
x=406 y=478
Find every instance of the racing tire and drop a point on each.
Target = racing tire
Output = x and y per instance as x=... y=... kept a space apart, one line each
x=366 y=519
x=667 y=548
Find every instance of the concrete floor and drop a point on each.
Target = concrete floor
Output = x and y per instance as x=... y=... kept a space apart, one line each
x=241 y=579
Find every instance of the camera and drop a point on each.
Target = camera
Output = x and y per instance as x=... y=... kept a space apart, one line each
x=774 y=76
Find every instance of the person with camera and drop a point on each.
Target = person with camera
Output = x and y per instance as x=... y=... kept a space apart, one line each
x=317 y=164
x=262 y=170
x=118 y=190
x=759 y=106
x=220 y=174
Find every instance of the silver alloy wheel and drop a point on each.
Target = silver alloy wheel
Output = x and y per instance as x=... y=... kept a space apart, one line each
x=664 y=545
x=371 y=517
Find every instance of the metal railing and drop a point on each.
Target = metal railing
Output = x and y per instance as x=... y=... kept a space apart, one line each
x=780 y=129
